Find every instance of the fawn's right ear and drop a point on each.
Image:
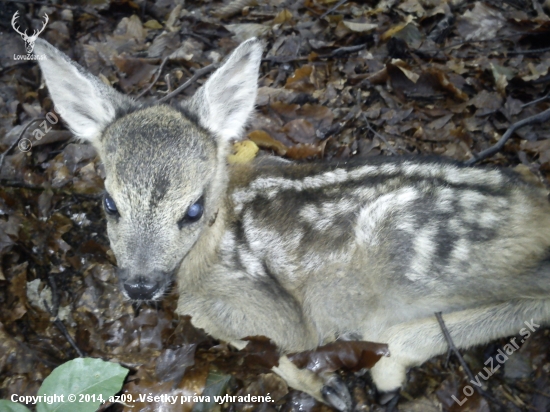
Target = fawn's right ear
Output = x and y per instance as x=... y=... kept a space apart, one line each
x=87 y=105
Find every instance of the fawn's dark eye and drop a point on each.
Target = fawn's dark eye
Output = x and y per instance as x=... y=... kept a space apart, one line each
x=110 y=205
x=193 y=214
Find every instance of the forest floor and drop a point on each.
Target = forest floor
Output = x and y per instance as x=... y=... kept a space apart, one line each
x=338 y=79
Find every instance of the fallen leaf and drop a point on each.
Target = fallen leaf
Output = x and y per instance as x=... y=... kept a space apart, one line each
x=350 y=355
x=264 y=141
x=359 y=27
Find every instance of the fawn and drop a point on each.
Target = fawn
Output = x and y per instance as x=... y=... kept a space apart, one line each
x=306 y=253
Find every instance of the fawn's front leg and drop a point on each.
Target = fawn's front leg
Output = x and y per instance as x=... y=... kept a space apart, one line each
x=328 y=388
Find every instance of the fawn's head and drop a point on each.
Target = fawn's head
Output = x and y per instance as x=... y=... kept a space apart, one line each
x=165 y=166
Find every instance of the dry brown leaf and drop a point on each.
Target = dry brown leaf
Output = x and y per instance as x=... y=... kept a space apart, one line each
x=261 y=351
x=265 y=141
x=536 y=71
x=306 y=151
x=232 y=8
x=245 y=31
x=300 y=80
x=350 y=355
x=480 y=23
x=445 y=83
x=396 y=29
x=401 y=65
x=285 y=110
x=412 y=6
x=285 y=16
x=16 y=306
x=300 y=131
x=138 y=72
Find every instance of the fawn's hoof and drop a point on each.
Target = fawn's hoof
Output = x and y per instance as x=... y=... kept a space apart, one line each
x=336 y=394
x=389 y=399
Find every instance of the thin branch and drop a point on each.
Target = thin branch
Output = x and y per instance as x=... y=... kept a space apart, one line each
x=381 y=137
x=538 y=118
x=57 y=322
x=452 y=346
x=463 y=42
x=456 y=352
x=341 y=51
x=326 y=13
x=540 y=99
x=14 y=65
x=55 y=294
x=532 y=51
x=159 y=72
x=198 y=73
x=16 y=142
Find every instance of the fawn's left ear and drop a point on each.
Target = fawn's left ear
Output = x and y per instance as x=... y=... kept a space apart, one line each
x=227 y=99
x=86 y=103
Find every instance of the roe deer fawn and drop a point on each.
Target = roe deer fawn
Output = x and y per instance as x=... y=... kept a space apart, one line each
x=306 y=253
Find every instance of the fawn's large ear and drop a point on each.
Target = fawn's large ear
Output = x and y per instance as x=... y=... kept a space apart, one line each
x=227 y=99
x=86 y=104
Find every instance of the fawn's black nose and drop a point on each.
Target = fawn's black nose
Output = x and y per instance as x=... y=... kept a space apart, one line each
x=141 y=288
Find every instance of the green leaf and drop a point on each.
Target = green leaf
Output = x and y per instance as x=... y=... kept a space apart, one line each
x=8 y=406
x=216 y=385
x=88 y=380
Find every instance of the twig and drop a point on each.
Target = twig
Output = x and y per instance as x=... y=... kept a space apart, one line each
x=199 y=37
x=9 y=149
x=15 y=65
x=463 y=42
x=341 y=51
x=198 y=73
x=57 y=322
x=159 y=72
x=538 y=118
x=326 y=13
x=531 y=390
x=452 y=346
x=456 y=352
x=22 y=185
x=55 y=295
x=532 y=51
x=388 y=145
x=279 y=60
x=540 y=99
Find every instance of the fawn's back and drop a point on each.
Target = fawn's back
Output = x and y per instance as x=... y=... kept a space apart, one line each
x=360 y=246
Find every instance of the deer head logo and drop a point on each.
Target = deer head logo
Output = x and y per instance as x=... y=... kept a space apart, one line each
x=29 y=40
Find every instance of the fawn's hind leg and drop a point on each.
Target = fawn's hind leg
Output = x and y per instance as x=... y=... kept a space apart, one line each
x=415 y=342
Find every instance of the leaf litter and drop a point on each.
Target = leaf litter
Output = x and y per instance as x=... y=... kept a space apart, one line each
x=339 y=79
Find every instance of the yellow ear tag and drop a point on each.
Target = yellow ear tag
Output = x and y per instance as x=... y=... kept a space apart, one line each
x=243 y=152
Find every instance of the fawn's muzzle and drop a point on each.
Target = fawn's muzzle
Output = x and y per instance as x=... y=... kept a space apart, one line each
x=141 y=288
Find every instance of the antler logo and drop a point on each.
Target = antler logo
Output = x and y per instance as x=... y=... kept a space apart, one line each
x=29 y=40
